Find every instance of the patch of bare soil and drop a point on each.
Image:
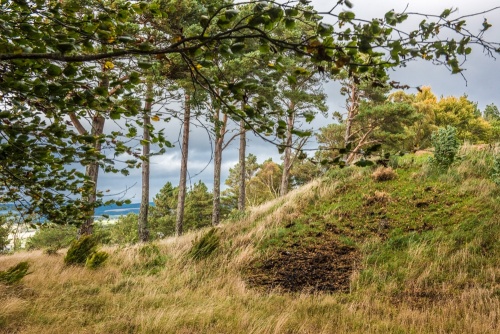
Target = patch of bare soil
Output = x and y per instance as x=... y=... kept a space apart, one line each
x=326 y=266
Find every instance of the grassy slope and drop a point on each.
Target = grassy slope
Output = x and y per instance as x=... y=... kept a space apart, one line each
x=427 y=261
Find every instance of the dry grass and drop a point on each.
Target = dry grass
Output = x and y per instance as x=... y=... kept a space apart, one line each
x=384 y=174
x=211 y=297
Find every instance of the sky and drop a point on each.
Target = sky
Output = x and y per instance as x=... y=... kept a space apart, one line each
x=481 y=85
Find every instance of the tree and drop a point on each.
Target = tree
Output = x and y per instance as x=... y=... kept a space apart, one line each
x=231 y=196
x=446 y=145
x=197 y=208
x=143 y=231
x=300 y=96
x=53 y=53
x=372 y=120
x=182 y=181
x=331 y=140
x=465 y=117
x=418 y=135
x=265 y=185
x=491 y=113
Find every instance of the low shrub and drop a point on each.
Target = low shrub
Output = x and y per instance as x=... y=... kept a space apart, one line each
x=96 y=259
x=495 y=175
x=384 y=174
x=205 y=246
x=52 y=237
x=80 y=250
x=152 y=260
x=124 y=230
x=446 y=145
x=15 y=273
x=4 y=235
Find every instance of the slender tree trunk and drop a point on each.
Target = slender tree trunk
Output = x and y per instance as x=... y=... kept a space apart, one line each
x=352 y=112
x=182 y=183
x=243 y=145
x=143 y=230
x=287 y=161
x=219 y=140
x=92 y=172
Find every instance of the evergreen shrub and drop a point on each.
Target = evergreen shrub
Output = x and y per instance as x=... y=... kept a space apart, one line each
x=446 y=145
x=96 y=259
x=80 y=250
x=496 y=170
x=15 y=273
x=205 y=246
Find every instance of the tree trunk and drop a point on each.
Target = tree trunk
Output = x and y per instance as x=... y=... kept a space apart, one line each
x=287 y=161
x=92 y=172
x=143 y=230
x=243 y=145
x=352 y=111
x=219 y=140
x=182 y=183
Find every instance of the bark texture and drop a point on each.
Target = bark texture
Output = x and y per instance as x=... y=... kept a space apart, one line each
x=287 y=160
x=242 y=153
x=143 y=230
x=179 y=221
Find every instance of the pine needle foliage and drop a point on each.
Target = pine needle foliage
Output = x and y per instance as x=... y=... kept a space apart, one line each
x=446 y=145
x=80 y=250
x=96 y=260
x=15 y=273
x=205 y=246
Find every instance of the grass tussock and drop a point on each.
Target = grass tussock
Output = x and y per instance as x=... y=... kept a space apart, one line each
x=384 y=174
x=424 y=259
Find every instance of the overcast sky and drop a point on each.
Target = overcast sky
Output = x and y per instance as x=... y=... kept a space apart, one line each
x=482 y=86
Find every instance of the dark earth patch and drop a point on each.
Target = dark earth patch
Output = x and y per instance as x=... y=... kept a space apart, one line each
x=326 y=266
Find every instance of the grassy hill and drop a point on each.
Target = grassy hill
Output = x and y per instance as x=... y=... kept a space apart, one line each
x=358 y=251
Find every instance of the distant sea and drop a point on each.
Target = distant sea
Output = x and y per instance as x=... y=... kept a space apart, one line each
x=113 y=211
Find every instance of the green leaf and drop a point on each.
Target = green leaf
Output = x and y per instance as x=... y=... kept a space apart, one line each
x=54 y=70
x=275 y=13
x=231 y=13
x=364 y=163
x=101 y=91
x=70 y=70
x=144 y=64
x=238 y=47
x=65 y=47
x=135 y=78
x=445 y=13
x=324 y=29
x=114 y=115
x=289 y=23
x=291 y=12
x=347 y=16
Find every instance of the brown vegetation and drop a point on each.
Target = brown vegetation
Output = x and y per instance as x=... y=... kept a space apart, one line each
x=384 y=174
